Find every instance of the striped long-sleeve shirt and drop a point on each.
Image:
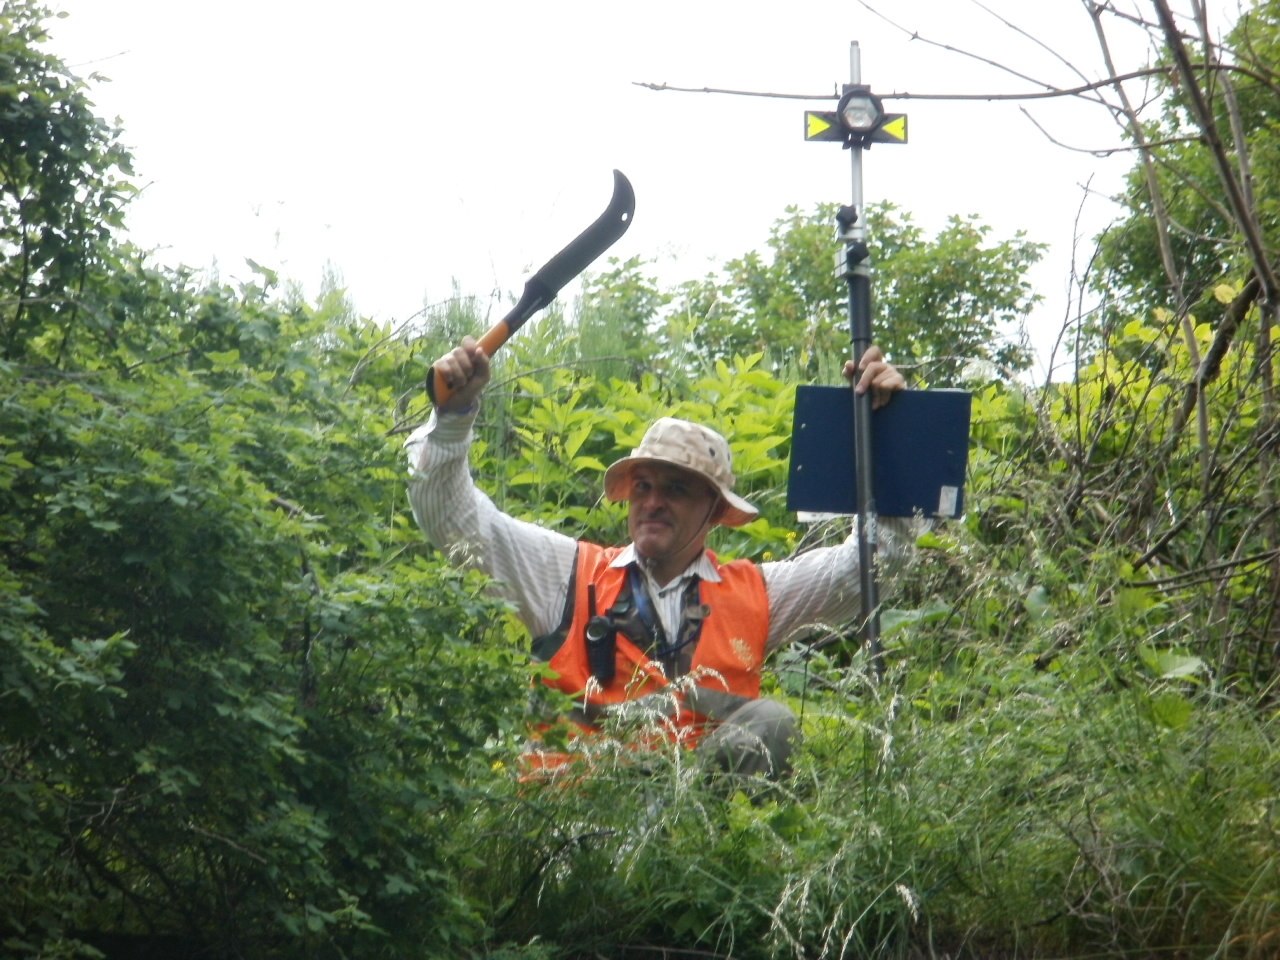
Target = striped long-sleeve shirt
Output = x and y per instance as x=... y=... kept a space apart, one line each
x=531 y=565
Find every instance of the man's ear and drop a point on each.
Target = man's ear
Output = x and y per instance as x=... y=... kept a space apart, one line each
x=719 y=510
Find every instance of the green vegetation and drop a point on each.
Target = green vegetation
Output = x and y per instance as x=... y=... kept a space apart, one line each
x=246 y=712
x=954 y=299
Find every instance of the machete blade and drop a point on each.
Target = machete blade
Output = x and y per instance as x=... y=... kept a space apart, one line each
x=542 y=287
x=591 y=242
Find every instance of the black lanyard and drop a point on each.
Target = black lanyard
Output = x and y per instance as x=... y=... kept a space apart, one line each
x=692 y=613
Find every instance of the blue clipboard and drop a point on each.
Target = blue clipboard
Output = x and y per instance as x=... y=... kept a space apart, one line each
x=920 y=441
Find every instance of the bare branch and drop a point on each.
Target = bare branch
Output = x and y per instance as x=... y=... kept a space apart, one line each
x=1048 y=94
x=1050 y=88
x=1102 y=152
x=1245 y=220
x=1205 y=574
x=1138 y=135
x=735 y=93
x=1052 y=51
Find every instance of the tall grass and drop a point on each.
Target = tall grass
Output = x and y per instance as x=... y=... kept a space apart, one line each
x=1058 y=817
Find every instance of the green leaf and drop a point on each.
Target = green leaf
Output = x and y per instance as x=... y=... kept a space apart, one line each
x=1171 y=665
x=1171 y=709
x=1037 y=602
x=893 y=620
x=1132 y=602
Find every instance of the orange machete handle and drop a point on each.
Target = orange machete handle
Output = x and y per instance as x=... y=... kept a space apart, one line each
x=493 y=338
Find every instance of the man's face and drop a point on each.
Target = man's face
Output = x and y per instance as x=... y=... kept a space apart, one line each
x=669 y=513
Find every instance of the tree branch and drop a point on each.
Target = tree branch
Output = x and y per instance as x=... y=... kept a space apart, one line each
x=1244 y=216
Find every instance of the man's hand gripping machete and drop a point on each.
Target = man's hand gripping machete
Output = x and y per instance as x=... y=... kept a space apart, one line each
x=542 y=287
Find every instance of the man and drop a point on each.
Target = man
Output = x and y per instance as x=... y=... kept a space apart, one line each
x=660 y=624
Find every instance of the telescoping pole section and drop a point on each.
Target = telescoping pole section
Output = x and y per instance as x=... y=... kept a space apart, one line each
x=855 y=267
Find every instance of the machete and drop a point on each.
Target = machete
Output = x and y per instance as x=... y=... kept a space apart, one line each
x=542 y=287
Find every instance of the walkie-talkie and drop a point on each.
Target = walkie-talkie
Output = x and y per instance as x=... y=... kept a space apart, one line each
x=602 y=641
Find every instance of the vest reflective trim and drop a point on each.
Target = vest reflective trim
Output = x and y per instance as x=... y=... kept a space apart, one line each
x=729 y=654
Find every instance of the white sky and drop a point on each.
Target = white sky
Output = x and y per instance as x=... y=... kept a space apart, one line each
x=408 y=144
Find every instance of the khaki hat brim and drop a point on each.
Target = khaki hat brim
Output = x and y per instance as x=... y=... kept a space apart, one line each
x=617 y=487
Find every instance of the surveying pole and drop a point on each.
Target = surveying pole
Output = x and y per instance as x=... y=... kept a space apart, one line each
x=859 y=121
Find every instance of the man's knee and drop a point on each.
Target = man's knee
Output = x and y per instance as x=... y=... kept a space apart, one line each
x=758 y=738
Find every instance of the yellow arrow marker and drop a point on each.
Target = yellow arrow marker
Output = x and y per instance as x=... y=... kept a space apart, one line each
x=896 y=128
x=815 y=125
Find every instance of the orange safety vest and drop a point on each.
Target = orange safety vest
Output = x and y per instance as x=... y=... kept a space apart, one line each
x=728 y=656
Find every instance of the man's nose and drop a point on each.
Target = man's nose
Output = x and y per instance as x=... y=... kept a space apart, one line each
x=652 y=499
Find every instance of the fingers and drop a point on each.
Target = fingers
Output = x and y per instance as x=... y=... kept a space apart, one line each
x=876 y=374
x=465 y=371
x=457 y=366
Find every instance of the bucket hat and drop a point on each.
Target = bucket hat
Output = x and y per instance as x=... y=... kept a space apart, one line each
x=690 y=446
